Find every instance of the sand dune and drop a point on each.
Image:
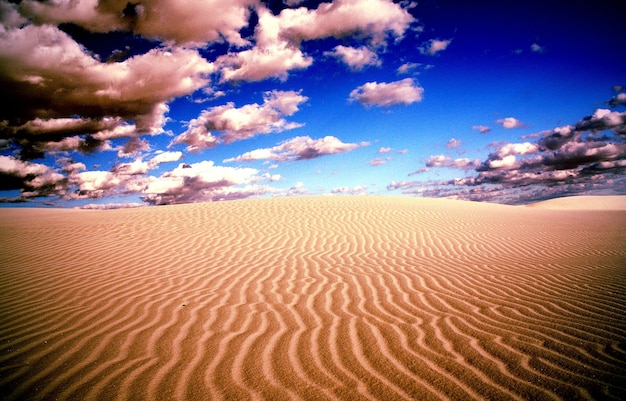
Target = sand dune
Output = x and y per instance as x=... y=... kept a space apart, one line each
x=338 y=298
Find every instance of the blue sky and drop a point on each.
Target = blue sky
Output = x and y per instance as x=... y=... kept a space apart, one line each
x=114 y=104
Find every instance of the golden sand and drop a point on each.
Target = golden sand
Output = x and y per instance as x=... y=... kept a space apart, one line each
x=322 y=298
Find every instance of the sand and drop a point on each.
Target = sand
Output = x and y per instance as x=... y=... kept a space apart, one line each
x=313 y=298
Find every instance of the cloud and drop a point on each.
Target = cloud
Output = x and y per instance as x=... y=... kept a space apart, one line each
x=384 y=150
x=483 y=129
x=453 y=143
x=205 y=21
x=165 y=157
x=51 y=76
x=435 y=46
x=379 y=162
x=387 y=94
x=617 y=100
x=407 y=68
x=370 y=18
x=33 y=179
x=58 y=97
x=261 y=62
x=536 y=48
x=298 y=148
x=241 y=123
x=584 y=157
x=356 y=190
x=355 y=58
x=109 y=206
x=278 y=37
x=203 y=181
x=445 y=161
x=510 y=122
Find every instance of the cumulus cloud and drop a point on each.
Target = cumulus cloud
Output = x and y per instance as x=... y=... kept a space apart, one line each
x=273 y=60
x=205 y=21
x=435 y=46
x=355 y=58
x=57 y=97
x=203 y=181
x=405 y=91
x=52 y=76
x=278 y=37
x=35 y=179
x=371 y=18
x=510 y=122
x=298 y=148
x=242 y=123
x=584 y=157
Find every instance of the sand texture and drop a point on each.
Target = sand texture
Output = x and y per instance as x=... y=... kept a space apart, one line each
x=320 y=298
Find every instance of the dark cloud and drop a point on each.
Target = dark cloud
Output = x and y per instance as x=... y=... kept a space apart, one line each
x=586 y=157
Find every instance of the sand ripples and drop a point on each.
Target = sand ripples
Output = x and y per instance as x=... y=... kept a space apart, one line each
x=313 y=298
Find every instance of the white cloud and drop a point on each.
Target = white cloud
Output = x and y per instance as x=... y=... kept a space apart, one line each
x=165 y=157
x=510 y=122
x=298 y=148
x=54 y=77
x=373 y=18
x=435 y=46
x=387 y=94
x=204 y=21
x=355 y=58
x=203 y=181
x=242 y=123
x=259 y=63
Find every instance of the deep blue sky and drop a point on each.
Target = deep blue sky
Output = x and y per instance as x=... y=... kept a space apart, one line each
x=508 y=102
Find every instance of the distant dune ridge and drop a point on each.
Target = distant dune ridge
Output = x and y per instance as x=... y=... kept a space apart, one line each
x=313 y=298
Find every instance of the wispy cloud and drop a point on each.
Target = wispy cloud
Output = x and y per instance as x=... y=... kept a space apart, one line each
x=434 y=46
x=298 y=148
x=483 y=129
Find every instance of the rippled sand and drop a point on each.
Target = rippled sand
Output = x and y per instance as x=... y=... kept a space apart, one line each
x=318 y=298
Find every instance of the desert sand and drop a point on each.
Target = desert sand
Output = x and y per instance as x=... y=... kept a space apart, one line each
x=313 y=298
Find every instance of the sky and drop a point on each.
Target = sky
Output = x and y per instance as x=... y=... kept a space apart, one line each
x=111 y=104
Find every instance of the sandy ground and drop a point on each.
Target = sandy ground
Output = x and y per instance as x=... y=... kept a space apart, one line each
x=320 y=298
